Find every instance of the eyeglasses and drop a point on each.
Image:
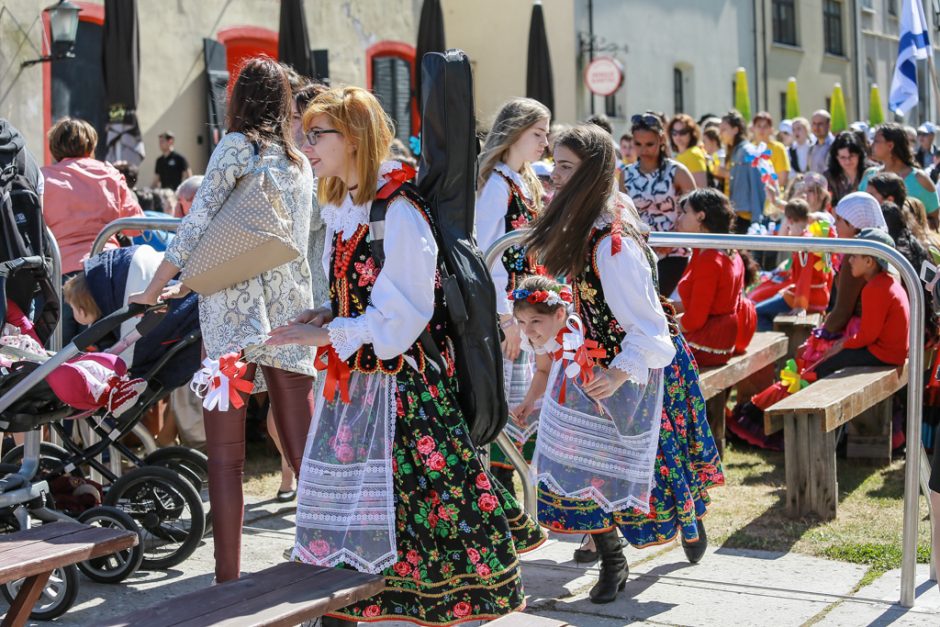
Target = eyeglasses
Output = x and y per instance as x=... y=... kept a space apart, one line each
x=680 y=131
x=647 y=120
x=314 y=136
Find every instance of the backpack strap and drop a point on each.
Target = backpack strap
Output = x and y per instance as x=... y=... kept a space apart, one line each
x=377 y=212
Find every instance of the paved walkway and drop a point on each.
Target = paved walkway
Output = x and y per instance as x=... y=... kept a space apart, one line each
x=729 y=588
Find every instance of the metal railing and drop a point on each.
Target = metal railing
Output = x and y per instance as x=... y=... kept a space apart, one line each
x=914 y=475
x=132 y=224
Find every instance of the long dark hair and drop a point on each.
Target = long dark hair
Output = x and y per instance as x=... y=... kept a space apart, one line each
x=719 y=218
x=260 y=106
x=560 y=234
x=847 y=140
x=734 y=119
x=901 y=145
x=655 y=123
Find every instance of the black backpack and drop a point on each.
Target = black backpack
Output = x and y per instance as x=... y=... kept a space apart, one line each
x=24 y=235
x=447 y=183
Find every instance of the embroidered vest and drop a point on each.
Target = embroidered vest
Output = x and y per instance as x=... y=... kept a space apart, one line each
x=353 y=272
x=519 y=214
x=599 y=321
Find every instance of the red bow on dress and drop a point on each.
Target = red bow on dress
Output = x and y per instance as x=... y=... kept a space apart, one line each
x=395 y=179
x=337 y=373
x=234 y=370
x=581 y=353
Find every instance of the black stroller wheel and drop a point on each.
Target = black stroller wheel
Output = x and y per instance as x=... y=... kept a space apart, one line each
x=51 y=459
x=56 y=598
x=168 y=509
x=190 y=464
x=118 y=566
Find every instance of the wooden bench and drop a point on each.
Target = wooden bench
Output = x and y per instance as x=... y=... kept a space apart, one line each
x=33 y=554
x=518 y=619
x=283 y=595
x=764 y=351
x=809 y=419
x=797 y=328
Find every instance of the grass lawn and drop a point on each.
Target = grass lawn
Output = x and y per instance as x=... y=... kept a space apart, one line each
x=749 y=511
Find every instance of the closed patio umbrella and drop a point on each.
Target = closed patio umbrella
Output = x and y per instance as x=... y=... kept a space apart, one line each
x=539 y=84
x=293 y=43
x=120 y=61
x=430 y=39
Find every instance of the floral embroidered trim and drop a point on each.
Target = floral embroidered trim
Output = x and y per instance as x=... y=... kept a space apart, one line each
x=551 y=297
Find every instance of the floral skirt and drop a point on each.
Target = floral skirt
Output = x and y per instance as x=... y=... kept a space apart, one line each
x=458 y=531
x=687 y=465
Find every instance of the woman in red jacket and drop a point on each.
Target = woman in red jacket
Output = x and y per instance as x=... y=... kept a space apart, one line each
x=718 y=320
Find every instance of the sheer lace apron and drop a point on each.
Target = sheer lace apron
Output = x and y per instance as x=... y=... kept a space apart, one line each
x=600 y=450
x=518 y=377
x=345 y=501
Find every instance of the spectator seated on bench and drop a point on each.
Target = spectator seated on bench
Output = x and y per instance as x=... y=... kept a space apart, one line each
x=810 y=274
x=881 y=339
x=718 y=321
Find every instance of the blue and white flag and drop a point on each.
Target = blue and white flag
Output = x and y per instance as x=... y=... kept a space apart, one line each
x=914 y=44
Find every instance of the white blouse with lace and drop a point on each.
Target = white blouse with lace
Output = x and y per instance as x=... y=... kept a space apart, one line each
x=241 y=317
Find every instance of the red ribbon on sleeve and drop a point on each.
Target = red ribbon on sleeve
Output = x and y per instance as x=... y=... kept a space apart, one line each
x=337 y=373
x=395 y=179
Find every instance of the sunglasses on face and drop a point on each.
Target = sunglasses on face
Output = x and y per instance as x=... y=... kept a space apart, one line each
x=314 y=136
x=680 y=131
x=647 y=120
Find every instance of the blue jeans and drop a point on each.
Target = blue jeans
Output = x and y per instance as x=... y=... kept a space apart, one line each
x=768 y=310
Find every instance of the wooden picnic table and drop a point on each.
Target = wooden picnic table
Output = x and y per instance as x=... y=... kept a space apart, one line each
x=764 y=351
x=809 y=419
x=33 y=554
x=280 y=596
x=797 y=329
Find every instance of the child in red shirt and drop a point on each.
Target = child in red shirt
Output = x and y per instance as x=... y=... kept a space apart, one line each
x=882 y=338
x=719 y=321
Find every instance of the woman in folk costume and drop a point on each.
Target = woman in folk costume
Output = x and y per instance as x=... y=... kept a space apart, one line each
x=510 y=197
x=391 y=482
x=645 y=455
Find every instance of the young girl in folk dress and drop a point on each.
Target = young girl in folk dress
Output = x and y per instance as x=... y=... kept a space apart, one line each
x=390 y=480
x=644 y=392
x=510 y=197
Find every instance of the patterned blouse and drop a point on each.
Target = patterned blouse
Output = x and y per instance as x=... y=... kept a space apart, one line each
x=240 y=317
x=654 y=195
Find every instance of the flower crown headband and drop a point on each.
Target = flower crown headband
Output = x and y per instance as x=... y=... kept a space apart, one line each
x=551 y=297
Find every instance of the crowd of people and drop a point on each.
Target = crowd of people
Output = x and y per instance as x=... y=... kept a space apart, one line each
x=603 y=336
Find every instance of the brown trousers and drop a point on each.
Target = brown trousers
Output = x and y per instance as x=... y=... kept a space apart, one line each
x=292 y=404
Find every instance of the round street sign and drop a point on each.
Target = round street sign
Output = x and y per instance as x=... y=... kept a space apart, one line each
x=603 y=76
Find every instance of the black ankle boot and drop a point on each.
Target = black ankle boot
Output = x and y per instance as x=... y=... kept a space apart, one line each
x=695 y=551
x=505 y=477
x=614 y=569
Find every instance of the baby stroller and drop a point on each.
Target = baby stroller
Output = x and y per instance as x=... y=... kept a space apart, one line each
x=24 y=499
x=163 y=492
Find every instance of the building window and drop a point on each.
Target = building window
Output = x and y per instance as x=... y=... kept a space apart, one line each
x=783 y=105
x=678 y=90
x=832 y=27
x=390 y=74
x=784 y=16
x=892 y=7
x=610 y=106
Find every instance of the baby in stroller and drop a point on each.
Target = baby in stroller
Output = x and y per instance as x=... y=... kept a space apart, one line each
x=87 y=382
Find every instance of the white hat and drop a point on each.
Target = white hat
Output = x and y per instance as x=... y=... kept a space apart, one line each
x=861 y=210
x=859 y=127
x=543 y=168
x=786 y=126
x=927 y=128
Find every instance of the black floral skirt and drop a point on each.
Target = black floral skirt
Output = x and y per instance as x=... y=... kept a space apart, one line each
x=459 y=533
